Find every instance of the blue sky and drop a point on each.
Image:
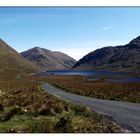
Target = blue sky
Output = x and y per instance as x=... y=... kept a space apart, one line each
x=75 y=31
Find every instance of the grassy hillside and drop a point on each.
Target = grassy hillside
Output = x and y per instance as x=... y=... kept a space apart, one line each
x=12 y=64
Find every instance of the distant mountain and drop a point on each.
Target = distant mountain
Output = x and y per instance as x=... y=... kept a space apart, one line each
x=49 y=60
x=12 y=64
x=119 y=58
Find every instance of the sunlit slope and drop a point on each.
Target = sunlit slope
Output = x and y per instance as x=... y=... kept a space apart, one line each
x=12 y=64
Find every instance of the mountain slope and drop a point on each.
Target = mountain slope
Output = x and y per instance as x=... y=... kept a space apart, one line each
x=49 y=60
x=12 y=64
x=119 y=58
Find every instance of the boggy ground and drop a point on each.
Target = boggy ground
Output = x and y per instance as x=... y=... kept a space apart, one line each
x=25 y=107
x=129 y=92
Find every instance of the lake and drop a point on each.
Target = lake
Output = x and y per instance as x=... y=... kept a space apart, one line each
x=91 y=73
x=84 y=73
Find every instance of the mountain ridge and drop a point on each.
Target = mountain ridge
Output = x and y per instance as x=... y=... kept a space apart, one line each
x=113 y=58
x=49 y=60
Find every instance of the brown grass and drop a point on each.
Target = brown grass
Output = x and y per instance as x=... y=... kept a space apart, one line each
x=105 y=90
x=25 y=107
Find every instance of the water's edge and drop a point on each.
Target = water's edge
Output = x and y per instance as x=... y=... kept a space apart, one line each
x=91 y=73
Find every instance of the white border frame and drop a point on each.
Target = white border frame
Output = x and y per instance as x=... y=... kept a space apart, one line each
x=70 y=3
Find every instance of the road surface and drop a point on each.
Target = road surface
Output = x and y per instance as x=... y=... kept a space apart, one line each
x=124 y=113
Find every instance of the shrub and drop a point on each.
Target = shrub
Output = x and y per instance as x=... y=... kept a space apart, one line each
x=80 y=110
x=58 y=109
x=12 y=112
x=45 y=110
x=1 y=107
x=67 y=107
x=64 y=125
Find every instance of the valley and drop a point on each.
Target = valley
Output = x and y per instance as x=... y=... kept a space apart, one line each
x=28 y=107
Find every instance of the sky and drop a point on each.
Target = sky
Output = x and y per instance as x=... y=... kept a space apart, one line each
x=74 y=31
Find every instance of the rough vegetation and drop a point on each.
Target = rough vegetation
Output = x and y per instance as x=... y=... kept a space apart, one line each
x=129 y=92
x=25 y=107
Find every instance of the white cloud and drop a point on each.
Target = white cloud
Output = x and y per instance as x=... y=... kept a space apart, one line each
x=108 y=28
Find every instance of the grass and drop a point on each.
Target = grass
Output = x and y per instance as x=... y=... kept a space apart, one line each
x=26 y=108
x=129 y=92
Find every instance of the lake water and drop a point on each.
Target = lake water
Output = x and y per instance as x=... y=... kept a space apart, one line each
x=128 y=80
x=91 y=73
x=84 y=73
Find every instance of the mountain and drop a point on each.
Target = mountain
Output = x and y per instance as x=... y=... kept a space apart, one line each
x=49 y=60
x=12 y=64
x=120 y=58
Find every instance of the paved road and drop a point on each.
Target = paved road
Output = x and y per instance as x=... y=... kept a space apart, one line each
x=127 y=114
